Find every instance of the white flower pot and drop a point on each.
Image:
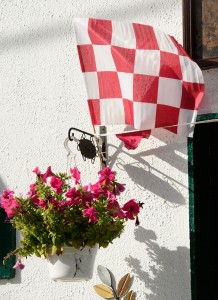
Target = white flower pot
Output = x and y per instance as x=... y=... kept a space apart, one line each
x=73 y=264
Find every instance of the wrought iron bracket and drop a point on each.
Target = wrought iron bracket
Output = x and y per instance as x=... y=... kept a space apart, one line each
x=87 y=146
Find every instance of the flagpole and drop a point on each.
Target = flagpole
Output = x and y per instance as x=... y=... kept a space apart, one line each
x=182 y=124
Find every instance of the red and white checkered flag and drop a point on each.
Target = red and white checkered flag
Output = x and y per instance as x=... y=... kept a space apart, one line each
x=138 y=75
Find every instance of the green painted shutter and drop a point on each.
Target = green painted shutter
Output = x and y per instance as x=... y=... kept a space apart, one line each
x=7 y=243
x=203 y=184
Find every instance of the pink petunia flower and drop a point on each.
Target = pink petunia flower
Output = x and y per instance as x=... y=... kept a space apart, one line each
x=47 y=174
x=37 y=171
x=8 y=203
x=72 y=193
x=111 y=196
x=7 y=194
x=87 y=195
x=75 y=173
x=114 y=207
x=56 y=184
x=106 y=176
x=32 y=190
x=97 y=190
x=119 y=188
x=132 y=209
x=91 y=213
x=19 y=265
x=32 y=194
x=43 y=204
x=72 y=201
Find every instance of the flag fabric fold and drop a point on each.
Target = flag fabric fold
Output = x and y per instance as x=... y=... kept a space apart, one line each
x=137 y=75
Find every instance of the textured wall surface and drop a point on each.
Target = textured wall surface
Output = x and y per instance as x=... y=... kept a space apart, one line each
x=42 y=95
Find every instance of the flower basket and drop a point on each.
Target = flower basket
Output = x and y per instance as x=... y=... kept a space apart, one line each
x=73 y=265
x=67 y=224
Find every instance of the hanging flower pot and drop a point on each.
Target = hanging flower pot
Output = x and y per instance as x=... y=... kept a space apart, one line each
x=56 y=218
x=73 y=264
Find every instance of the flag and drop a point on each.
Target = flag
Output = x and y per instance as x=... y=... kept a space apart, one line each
x=138 y=75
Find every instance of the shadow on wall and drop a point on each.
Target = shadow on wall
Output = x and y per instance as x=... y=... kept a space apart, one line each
x=17 y=278
x=2 y=186
x=168 y=273
x=144 y=175
x=167 y=268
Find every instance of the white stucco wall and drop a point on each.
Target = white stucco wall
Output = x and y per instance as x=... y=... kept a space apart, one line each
x=42 y=95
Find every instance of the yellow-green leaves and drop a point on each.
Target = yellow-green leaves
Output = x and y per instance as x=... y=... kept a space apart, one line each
x=104 y=291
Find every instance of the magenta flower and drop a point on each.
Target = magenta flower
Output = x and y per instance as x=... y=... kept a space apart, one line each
x=87 y=196
x=75 y=173
x=73 y=194
x=11 y=209
x=114 y=207
x=119 y=188
x=111 y=196
x=87 y=199
x=91 y=213
x=33 y=195
x=56 y=184
x=6 y=194
x=55 y=203
x=43 y=204
x=8 y=203
x=106 y=176
x=97 y=190
x=73 y=201
x=18 y=265
x=37 y=171
x=34 y=199
x=32 y=190
x=47 y=174
x=132 y=209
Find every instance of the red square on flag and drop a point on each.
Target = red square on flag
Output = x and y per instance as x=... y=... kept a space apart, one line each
x=109 y=86
x=167 y=115
x=128 y=110
x=94 y=109
x=100 y=31
x=124 y=59
x=145 y=37
x=145 y=88
x=170 y=65
x=190 y=95
x=87 y=58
